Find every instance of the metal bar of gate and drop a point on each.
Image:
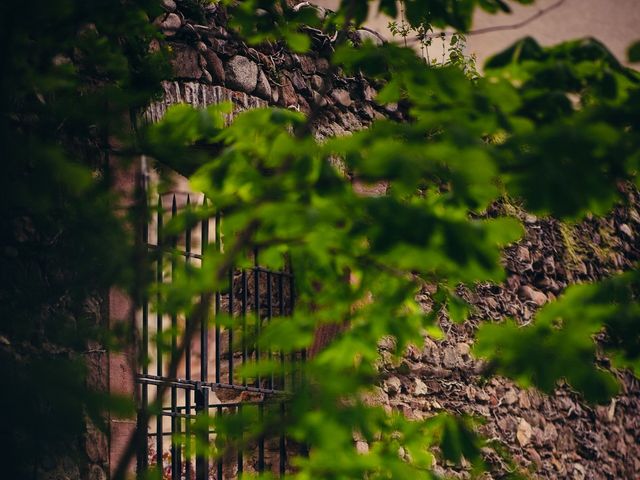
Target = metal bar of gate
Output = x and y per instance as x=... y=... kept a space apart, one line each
x=218 y=300
x=261 y=440
x=219 y=461
x=256 y=306
x=159 y=279
x=204 y=326
x=240 y=456
x=229 y=328
x=245 y=299
x=282 y=312
x=282 y=445
x=187 y=366
x=142 y=463
x=202 y=460
x=202 y=393
x=269 y=316
x=176 y=464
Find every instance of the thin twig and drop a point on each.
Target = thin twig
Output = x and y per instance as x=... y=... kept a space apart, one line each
x=498 y=28
x=341 y=36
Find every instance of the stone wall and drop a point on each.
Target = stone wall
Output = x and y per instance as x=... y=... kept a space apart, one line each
x=53 y=301
x=269 y=74
x=46 y=433
x=548 y=436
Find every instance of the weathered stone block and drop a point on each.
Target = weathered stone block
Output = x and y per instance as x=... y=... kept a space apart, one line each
x=288 y=95
x=171 y=25
x=369 y=36
x=169 y=5
x=341 y=97
x=242 y=74
x=263 y=87
x=185 y=61
x=214 y=66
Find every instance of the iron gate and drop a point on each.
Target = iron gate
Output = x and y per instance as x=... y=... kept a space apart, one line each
x=208 y=381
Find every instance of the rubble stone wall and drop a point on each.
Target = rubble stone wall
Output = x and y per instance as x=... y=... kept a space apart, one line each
x=548 y=436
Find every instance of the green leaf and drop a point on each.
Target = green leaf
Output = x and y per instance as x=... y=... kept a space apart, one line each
x=527 y=49
x=633 y=52
x=389 y=8
x=298 y=42
x=559 y=345
x=457 y=309
x=389 y=93
x=458 y=440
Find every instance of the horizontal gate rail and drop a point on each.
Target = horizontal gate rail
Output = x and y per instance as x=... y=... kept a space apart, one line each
x=194 y=384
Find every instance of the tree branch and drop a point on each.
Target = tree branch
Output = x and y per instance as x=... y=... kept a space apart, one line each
x=497 y=28
x=200 y=315
x=341 y=36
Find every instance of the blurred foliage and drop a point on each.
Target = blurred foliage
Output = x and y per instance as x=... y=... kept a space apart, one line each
x=454 y=45
x=560 y=344
x=556 y=127
x=71 y=71
x=440 y=166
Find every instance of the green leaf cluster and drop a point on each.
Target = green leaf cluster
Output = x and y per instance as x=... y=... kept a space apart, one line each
x=71 y=72
x=553 y=126
x=556 y=127
x=560 y=344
